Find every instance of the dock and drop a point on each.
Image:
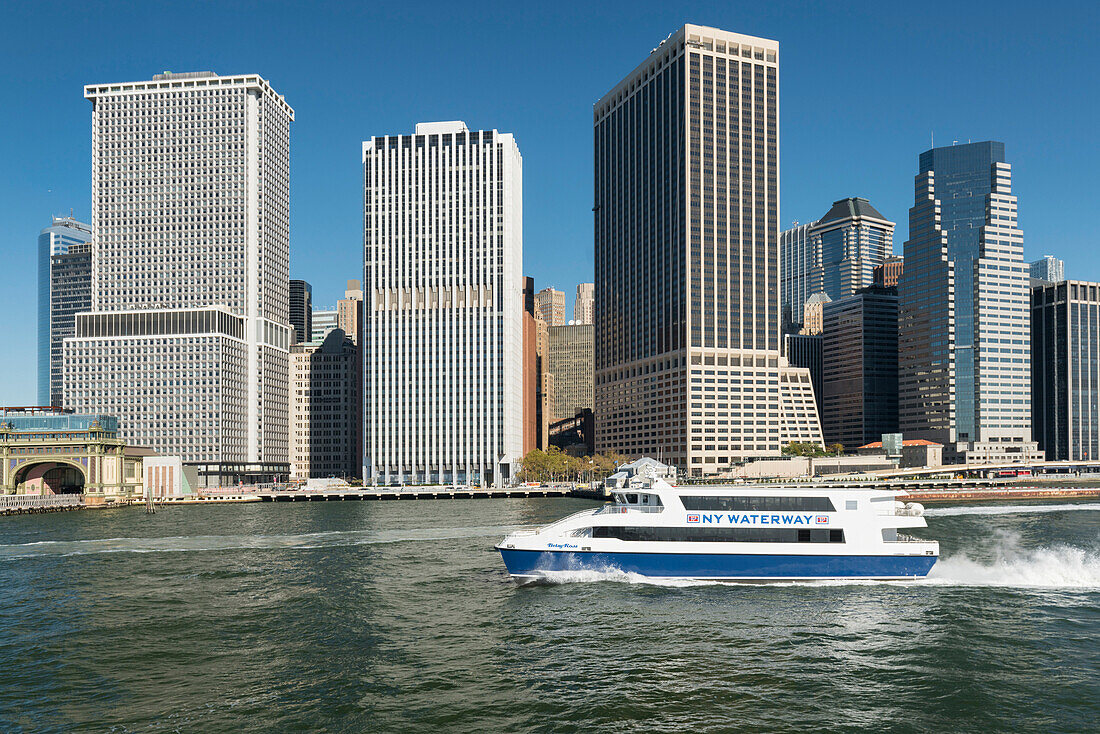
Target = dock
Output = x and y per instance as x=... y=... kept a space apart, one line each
x=418 y=493
x=22 y=504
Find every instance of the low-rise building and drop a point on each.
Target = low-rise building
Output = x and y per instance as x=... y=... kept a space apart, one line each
x=46 y=451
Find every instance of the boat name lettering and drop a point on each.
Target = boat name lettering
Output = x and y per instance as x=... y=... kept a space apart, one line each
x=754 y=518
x=560 y=545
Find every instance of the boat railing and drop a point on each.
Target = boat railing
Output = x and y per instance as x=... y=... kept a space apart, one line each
x=620 y=509
x=902 y=538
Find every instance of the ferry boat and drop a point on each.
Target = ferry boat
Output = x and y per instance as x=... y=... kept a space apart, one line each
x=730 y=533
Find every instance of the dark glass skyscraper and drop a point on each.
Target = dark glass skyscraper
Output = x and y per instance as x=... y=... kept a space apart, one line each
x=301 y=310
x=964 y=364
x=1065 y=343
x=860 y=378
x=686 y=224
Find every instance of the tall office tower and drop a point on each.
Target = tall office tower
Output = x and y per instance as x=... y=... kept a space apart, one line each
x=64 y=289
x=1065 y=358
x=853 y=238
x=584 y=308
x=443 y=278
x=544 y=399
x=799 y=272
x=1048 y=269
x=325 y=408
x=804 y=350
x=301 y=311
x=964 y=354
x=688 y=362
x=530 y=369
x=859 y=392
x=324 y=321
x=835 y=255
x=571 y=364
x=187 y=341
x=887 y=274
x=551 y=304
x=349 y=312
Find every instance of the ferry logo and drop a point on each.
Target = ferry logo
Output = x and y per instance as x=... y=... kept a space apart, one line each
x=822 y=520
x=693 y=518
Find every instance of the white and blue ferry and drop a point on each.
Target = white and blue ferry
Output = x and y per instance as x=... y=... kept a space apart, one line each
x=731 y=533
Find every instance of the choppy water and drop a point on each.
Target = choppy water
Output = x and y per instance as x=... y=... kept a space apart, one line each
x=398 y=617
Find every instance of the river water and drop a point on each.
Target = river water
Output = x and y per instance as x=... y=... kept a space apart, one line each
x=397 y=616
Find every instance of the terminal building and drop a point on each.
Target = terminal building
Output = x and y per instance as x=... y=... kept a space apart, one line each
x=46 y=451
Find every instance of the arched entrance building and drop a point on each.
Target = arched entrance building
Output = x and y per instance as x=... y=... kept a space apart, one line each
x=46 y=451
x=49 y=477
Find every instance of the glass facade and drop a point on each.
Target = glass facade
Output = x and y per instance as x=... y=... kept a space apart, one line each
x=64 y=289
x=963 y=318
x=1065 y=342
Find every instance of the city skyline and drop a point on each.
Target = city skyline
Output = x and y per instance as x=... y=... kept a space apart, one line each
x=49 y=156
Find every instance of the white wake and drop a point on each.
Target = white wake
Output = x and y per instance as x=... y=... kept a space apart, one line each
x=303 y=541
x=1009 y=509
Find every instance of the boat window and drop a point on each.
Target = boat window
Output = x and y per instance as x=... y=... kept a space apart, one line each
x=619 y=498
x=759 y=504
x=851 y=504
x=632 y=499
x=720 y=535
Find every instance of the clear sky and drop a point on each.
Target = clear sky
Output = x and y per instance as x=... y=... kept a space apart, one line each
x=863 y=87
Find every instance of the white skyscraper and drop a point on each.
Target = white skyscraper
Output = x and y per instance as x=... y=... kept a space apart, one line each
x=187 y=341
x=443 y=307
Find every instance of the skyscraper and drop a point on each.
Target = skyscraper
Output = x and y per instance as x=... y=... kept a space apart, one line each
x=349 y=312
x=1065 y=354
x=835 y=255
x=325 y=418
x=551 y=305
x=964 y=353
x=443 y=280
x=1048 y=269
x=324 y=321
x=688 y=361
x=301 y=310
x=570 y=362
x=585 y=305
x=859 y=399
x=799 y=271
x=188 y=335
x=64 y=289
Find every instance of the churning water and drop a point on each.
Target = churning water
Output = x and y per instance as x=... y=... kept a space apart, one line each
x=398 y=616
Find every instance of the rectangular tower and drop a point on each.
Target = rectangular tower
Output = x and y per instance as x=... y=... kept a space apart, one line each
x=1065 y=353
x=64 y=289
x=443 y=311
x=860 y=376
x=301 y=310
x=688 y=362
x=964 y=352
x=187 y=342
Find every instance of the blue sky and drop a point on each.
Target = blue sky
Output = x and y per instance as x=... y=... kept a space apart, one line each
x=863 y=86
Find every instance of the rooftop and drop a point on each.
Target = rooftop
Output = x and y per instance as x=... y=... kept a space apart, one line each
x=852 y=208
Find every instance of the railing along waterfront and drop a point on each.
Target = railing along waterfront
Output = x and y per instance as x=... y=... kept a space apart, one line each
x=34 y=501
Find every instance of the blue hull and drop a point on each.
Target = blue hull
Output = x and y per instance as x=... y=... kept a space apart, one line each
x=719 y=566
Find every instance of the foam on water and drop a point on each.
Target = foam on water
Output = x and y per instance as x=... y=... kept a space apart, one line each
x=1006 y=564
x=1008 y=509
x=184 y=544
x=1009 y=565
